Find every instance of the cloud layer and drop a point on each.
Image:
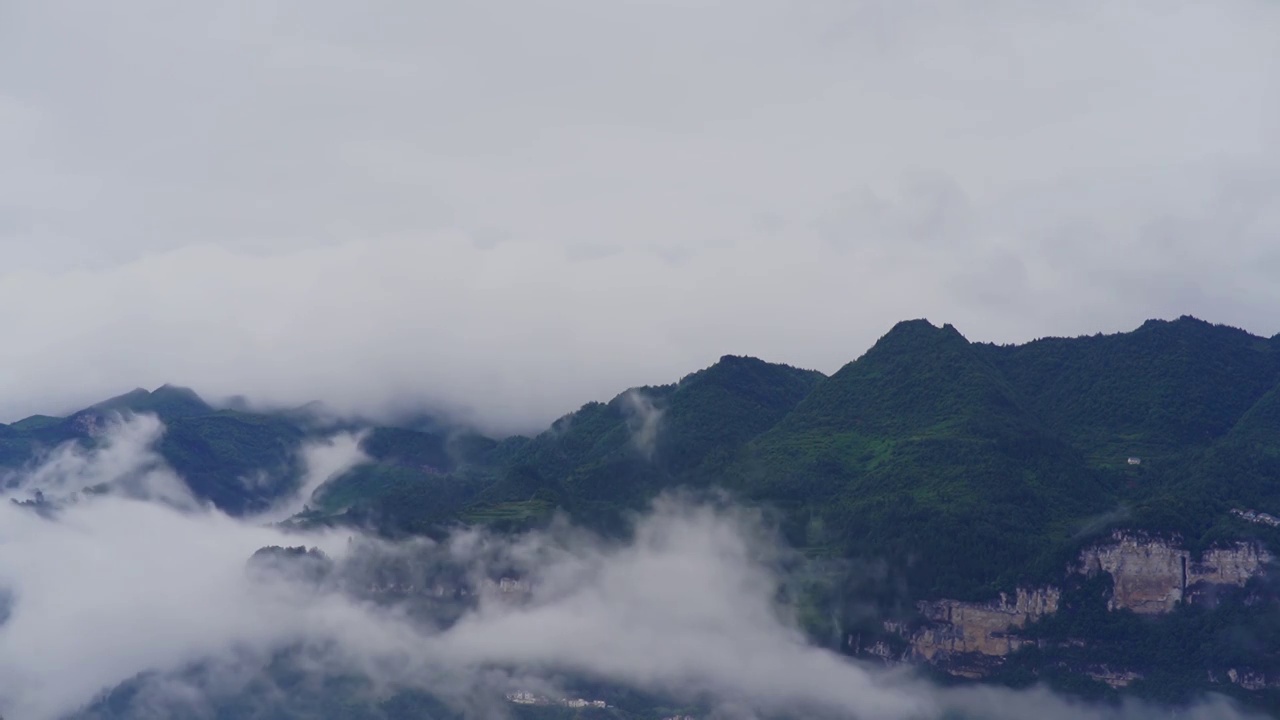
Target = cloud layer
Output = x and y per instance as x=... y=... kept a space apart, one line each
x=112 y=586
x=519 y=207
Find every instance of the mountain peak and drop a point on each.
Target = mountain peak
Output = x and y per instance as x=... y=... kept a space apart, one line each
x=1186 y=323
x=135 y=395
x=733 y=363
x=1180 y=321
x=915 y=324
x=921 y=326
x=917 y=380
x=738 y=360
x=912 y=336
x=177 y=392
x=166 y=401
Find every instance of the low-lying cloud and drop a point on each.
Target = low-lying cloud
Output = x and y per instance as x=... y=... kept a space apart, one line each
x=123 y=461
x=115 y=585
x=322 y=460
x=644 y=419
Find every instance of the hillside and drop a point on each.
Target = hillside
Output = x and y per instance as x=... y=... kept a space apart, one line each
x=602 y=460
x=918 y=438
x=1157 y=391
x=217 y=452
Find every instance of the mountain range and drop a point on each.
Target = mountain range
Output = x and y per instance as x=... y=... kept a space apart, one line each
x=962 y=470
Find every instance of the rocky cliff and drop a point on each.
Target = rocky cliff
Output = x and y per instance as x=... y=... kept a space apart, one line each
x=1150 y=575
x=986 y=628
x=965 y=638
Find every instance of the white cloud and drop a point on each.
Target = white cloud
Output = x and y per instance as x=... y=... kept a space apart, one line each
x=322 y=461
x=644 y=418
x=121 y=461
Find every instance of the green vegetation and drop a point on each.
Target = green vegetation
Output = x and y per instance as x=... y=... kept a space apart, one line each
x=237 y=460
x=594 y=464
x=1154 y=392
x=919 y=439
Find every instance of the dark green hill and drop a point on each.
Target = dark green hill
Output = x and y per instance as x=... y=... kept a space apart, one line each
x=35 y=422
x=1240 y=471
x=1257 y=429
x=238 y=461
x=1156 y=391
x=605 y=458
x=714 y=411
x=619 y=454
x=918 y=439
x=416 y=481
x=168 y=402
x=916 y=380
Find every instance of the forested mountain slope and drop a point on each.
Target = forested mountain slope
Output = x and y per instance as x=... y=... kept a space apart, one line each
x=1165 y=387
x=922 y=438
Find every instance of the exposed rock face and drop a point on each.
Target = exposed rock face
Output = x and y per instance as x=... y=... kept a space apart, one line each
x=881 y=650
x=1114 y=678
x=1229 y=566
x=1149 y=575
x=1152 y=575
x=962 y=627
x=1247 y=678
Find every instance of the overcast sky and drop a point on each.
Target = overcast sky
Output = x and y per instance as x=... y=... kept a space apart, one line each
x=521 y=206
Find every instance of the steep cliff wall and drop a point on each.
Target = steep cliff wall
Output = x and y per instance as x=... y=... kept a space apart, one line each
x=1229 y=566
x=1152 y=575
x=985 y=628
x=1149 y=574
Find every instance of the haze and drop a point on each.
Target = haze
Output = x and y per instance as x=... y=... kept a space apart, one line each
x=507 y=209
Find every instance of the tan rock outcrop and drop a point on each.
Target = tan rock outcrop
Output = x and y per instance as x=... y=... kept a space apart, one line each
x=1153 y=575
x=1150 y=575
x=1234 y=565
x=984 y=628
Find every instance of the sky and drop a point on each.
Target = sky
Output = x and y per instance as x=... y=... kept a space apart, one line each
x=507 y=209
x=687 y=607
